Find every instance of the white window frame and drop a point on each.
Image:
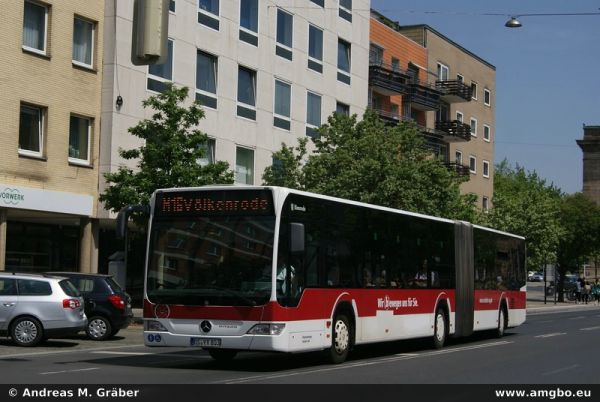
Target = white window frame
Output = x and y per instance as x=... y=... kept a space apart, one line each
x=175 y=4
x=279 y=116
x=461 y=118
x=244 y=29
x=349 y=48
x=485 y=90
x=79 y=161
x=46 y=7
x=440 y=68
x=321 y=111
x=42 y=124
x=487 y=138
x=473 y=132
x=458 y=157
x=474 y=159
x=322 y=47
x=290 y=48
x=254 y=83
x=345 y=9
x=216 y=17
x=200 y=161
x=460 y=78
x=485 y=203
x=158 y=78
x=486 y=163
x=253 y=162
x=474 y=94
x=79 y=63
x=207 y=93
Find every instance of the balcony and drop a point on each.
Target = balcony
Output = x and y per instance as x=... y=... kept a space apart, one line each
x=423 y=96
x=387 y=80
x=454 y=91
x=454 y=130
x=459 y=168
x=393 y=118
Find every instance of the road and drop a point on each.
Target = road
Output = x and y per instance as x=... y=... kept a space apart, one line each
x=551 y=347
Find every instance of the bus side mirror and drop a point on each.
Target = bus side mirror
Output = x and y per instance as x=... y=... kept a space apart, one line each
x=296 y=238
x=123 y=217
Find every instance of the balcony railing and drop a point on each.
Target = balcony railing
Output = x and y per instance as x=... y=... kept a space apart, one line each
x=454 y=91
x=459 y=168
x=423 y=96
x=392 y=118
x=454 y=129
x=386 y=79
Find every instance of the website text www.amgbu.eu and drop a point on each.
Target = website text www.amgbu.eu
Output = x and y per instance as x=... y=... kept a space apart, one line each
x=551 y=394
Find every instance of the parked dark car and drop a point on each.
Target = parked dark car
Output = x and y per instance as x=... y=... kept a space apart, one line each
x=107 y=306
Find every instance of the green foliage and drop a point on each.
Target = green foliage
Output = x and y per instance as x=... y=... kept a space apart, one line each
x=371 y=162
x=169 y=155
x=526 y=205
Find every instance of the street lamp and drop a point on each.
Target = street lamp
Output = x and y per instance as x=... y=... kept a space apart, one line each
x=513 y=22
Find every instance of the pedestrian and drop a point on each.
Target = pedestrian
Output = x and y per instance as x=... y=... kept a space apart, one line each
x=596 y=292
x=578 y=291
x=587 y=292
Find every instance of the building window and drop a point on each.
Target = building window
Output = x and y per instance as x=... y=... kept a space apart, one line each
x=344 y=51
x=246 y=93
x=473 y=90
x=172 y=6
x=460 y=78
x=375 y=54
x=487 y=97
x=485 y=203
x=486 y=133
x=206 y=79
x=208 y=152
x=31 y=130
x=244 y=166
x=486 y=169
x=459 y=116
x=458 y=157
x=342 y=108
x=35 y=27
x=395 y=64
x=159 y=74
x=315 y=48
x=442 y=72
x=80 y=133
x=285 y=25
x=249 y=21
x=473 y=164
x=282 y=100
x=473 y=127
x=320 y=3
x=346 y=10
x=83 y=42
x=313 y=113
x=208 y=13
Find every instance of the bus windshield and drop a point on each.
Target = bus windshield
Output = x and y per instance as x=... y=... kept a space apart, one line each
x=211 y=261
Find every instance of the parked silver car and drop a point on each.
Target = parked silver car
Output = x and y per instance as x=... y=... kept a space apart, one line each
x=37 y=307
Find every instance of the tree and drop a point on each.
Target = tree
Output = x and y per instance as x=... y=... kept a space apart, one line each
x=372 y=162
x=524 y=204
x=169 y=156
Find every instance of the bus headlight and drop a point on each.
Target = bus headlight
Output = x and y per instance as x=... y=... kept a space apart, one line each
x=266 y=329
x=151 y=325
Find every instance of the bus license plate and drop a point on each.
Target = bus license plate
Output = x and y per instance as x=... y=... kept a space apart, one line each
x=206 y=342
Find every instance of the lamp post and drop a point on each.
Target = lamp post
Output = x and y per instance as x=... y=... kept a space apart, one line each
x=513 y=22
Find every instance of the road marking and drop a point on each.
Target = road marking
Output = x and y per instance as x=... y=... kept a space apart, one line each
x=589 y=328
x=66 y=351
x=551 y=335
x=70 y=371
x=109 y=352
x=577 y=318
x=560 y=370
x=398 y=357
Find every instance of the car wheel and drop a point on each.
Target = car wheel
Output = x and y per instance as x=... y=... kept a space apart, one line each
x=501 y=323
x=98 y=328
x=439 y=329
x=340 y=342
x=26 y=331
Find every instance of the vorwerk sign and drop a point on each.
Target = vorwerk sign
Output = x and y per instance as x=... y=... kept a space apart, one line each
x=11 y=196
x=35 y=199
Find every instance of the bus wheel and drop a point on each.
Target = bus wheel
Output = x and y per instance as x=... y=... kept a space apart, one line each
x=222 y=355
x=439 y=329
x=340 y=343
x=501 y=323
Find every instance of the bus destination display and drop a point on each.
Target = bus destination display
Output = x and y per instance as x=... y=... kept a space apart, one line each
x=205 y=203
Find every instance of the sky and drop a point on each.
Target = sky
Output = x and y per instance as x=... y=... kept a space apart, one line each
x=547 y=74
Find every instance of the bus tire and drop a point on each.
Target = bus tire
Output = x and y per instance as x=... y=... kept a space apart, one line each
x=341 y=335
x=502 y=322
x=440 y=328
x=222 y=355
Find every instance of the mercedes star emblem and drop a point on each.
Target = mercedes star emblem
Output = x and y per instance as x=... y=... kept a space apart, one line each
x=205 y=326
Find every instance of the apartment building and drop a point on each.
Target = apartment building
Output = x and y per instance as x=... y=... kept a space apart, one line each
x=50 y=75
x=460 y=74
x=266 y=73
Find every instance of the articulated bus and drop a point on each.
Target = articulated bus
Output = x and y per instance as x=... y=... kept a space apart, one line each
x=248 y=268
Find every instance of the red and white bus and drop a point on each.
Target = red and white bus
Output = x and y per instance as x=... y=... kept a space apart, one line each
x=234 y=269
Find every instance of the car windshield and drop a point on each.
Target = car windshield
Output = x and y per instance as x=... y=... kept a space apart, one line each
x=218 y=260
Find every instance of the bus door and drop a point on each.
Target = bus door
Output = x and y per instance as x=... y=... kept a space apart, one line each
x=465 y=282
